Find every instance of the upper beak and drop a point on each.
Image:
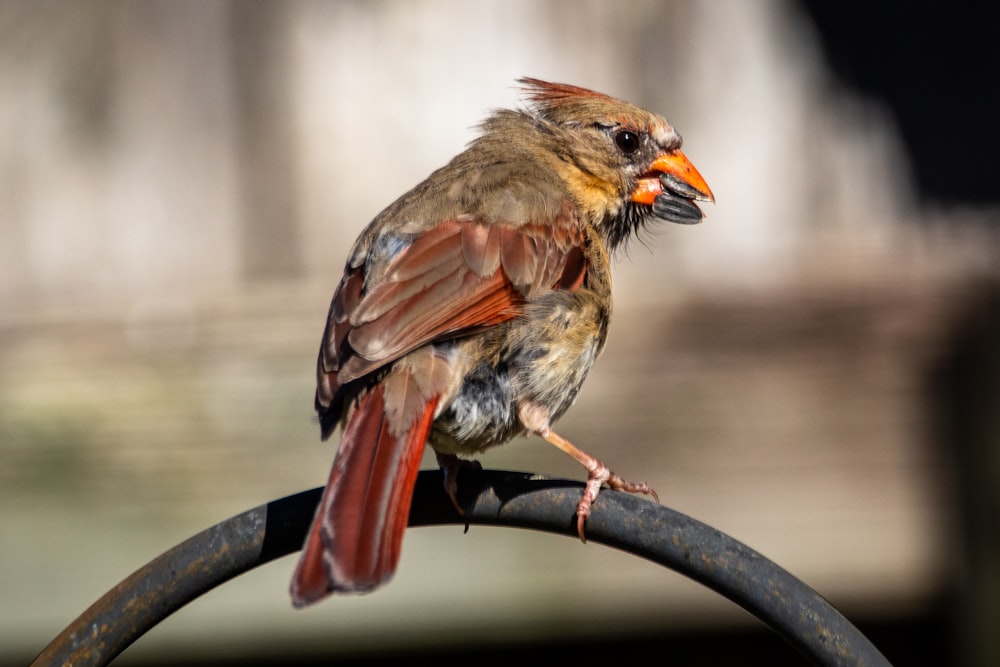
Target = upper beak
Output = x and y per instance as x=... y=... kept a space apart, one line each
x=675 y=173
x=671 y=187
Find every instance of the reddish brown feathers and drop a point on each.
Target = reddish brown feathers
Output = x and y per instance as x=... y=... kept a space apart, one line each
x=356 y=535
x=453 y=279
x=552 y=94
x=571 y=105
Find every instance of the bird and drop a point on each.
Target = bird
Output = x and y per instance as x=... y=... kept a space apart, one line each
x=472 y=308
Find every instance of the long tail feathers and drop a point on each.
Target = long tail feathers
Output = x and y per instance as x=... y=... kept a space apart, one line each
x=356 y=535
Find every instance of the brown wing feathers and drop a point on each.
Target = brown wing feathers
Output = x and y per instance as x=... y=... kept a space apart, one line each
x=447 y=282
x=455 y=278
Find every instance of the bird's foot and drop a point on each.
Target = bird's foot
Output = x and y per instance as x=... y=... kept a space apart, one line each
x=597 y=475
x=450 y=465
x=536 y=419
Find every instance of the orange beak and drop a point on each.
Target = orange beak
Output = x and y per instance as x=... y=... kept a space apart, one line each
x=684 y=178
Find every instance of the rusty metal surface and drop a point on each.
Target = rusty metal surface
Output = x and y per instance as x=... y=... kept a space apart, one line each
x=635 y=525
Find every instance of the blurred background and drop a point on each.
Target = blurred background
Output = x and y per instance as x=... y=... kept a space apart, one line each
x=814 y=370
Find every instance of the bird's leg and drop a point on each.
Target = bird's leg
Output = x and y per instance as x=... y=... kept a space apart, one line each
x=450 y=465
x=536 y=419
x=597 y=474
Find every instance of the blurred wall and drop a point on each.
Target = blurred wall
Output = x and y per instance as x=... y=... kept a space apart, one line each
x=174 y=146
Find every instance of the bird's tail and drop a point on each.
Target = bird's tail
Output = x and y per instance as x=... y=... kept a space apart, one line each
x=355 y=539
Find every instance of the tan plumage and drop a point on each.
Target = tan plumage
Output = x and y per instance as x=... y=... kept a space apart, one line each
x=472 y=309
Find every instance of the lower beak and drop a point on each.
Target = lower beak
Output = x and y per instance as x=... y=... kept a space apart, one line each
x=674 y=172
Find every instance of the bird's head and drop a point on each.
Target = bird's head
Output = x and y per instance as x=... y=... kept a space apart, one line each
x=623 y=164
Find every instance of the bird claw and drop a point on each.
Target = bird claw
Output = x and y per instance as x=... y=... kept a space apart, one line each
x=598 y=475
x=450 y=466
x=536 y=419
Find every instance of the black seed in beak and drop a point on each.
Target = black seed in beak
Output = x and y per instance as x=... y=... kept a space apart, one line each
x=678 y=187
x=671 y=208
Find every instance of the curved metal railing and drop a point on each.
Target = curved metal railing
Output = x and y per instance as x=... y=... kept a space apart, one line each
x=630 y=523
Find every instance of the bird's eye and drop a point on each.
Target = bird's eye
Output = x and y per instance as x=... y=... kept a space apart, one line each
x=627 y=141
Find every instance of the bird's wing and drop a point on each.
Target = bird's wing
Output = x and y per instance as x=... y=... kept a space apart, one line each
x=452 y=279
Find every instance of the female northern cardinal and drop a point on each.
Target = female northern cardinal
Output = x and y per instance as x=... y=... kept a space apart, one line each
x=472 y=309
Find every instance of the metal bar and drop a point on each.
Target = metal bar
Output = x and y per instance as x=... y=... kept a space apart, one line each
x=630 y=523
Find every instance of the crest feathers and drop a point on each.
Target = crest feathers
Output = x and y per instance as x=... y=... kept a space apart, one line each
x=546 y=97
